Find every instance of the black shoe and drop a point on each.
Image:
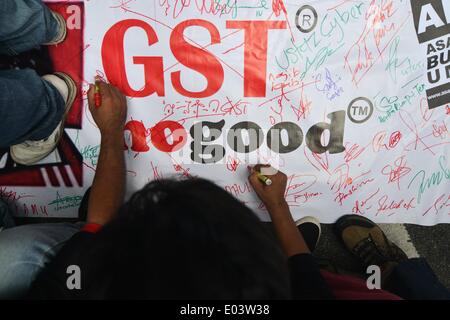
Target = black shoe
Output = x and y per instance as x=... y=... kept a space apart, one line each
x=367 y=241
x=310 y=229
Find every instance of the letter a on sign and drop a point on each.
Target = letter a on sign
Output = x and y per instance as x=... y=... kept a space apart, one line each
x=374 y=280
x=429 y=17
x=74 y=280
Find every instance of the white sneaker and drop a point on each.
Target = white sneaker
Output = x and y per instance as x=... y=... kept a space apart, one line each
x=310 y=229
x=62 y=30
x=30 y=152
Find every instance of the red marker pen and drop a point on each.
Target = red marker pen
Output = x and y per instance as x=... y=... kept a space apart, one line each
x=97 y=95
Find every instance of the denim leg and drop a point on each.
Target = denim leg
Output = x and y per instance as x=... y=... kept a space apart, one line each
x=25 y=250
x=30 y=108
x=24 y=25
x=414 y=279
x=6 y=219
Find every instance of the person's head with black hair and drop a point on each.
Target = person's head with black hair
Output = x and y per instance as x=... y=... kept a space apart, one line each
x=187 y=239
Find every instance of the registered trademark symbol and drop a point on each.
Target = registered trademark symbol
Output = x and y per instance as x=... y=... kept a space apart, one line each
x=360 y=110
x=306 y=18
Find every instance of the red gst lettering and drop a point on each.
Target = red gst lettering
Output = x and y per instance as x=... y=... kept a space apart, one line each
x=192 y=57
x=255 y=53
x=114 y=60
x=196 y=59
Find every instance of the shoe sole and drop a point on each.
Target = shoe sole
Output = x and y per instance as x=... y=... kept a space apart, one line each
x=72 y=91
x=63 y=23
x=68 y=106
x=309 y=219
x=316 y=222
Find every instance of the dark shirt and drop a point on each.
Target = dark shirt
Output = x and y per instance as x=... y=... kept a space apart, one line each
x=306 y=279
x=307 y=282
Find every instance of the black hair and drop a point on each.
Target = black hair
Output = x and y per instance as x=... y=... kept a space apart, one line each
x=186 y=239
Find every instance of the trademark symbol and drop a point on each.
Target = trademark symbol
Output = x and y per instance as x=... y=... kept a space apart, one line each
x=360 y=110
x=306 y=18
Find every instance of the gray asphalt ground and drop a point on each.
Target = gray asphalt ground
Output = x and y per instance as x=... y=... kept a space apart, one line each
x=432 y=243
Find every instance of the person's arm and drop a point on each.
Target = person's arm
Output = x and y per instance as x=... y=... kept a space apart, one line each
x=306 y=279
x=107 y=191
x=291 y=240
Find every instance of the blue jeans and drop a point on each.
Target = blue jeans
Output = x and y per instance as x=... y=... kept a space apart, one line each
x=6 y=220
x=414 y=279
x=25 y=250
x=30 y=108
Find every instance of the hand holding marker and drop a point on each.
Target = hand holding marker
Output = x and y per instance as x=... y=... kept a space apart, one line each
x=264 y=179
x=97 y=93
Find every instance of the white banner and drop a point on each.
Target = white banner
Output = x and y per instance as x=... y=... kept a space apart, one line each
x=333 y=93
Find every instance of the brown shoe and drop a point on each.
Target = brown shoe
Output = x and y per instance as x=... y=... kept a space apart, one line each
x=367 y=241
